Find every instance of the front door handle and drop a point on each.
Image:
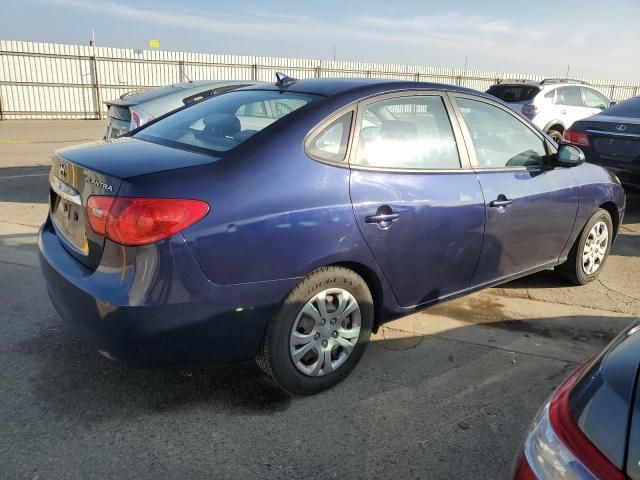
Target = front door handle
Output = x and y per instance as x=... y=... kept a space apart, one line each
x=501 y=201
x=382 y=218
x=563 y=112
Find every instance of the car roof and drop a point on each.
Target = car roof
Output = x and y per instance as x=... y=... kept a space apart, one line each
x=367 y=86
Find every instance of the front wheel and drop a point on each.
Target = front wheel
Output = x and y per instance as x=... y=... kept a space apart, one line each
x=590 y=251
x=320 y=332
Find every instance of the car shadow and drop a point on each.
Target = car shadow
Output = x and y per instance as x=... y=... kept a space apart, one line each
x=73 y=374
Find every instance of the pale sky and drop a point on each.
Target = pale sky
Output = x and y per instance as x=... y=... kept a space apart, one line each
x=597 y=39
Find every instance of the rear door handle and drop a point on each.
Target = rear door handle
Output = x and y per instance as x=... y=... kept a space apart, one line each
x=382 y=218
x=501 y=201
x=563 y=112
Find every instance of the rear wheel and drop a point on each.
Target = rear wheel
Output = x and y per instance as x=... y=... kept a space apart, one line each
x=556 y=135
x=320 y=332
x=590 y=251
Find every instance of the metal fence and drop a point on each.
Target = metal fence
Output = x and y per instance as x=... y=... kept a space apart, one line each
x=50 y=81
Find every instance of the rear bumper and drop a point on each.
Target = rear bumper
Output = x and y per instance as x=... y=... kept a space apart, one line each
x=152 y=306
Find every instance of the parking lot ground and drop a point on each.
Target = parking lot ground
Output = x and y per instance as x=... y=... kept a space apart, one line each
x=443 y=393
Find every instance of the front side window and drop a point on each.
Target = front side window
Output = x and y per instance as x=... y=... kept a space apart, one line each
x=331 y=142
x=593 y=99
x=569 y=96
x=223 y=122
x=407 y=133
x=499 y=139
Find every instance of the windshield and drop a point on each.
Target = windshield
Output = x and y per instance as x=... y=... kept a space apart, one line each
x=514 y=93
x=628 y=108
x=225 y=121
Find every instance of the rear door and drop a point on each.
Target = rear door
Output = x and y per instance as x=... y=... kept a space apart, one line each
x=416 y=200
x=530 y=209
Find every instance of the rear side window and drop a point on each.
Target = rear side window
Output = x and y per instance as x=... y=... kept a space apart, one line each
x=593 y=99
x=514 y=93
x=223 y=122
x=407 y=133
x=330 y=143
x=499 y=139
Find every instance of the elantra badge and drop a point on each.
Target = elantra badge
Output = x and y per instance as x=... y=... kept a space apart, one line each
x=621 y=128
x=99 y=184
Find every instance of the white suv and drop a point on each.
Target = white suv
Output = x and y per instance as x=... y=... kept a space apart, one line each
x=553 y=104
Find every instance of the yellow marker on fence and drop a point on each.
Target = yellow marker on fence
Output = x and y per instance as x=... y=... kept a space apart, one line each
x=154 y=43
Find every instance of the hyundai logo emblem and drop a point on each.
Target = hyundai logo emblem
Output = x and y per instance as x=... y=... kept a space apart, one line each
x=63 y=169
x=621 y=128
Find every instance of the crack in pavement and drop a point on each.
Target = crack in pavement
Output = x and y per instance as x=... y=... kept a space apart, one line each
x=609 y=289
x=491 y=347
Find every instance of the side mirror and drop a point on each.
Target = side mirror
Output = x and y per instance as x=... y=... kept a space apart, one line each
x=568 y=156
x=613 y=103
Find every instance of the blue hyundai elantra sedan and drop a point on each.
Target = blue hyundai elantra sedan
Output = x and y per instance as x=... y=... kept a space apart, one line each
x=286 y=222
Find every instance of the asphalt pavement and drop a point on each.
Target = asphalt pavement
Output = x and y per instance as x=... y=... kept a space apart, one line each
x=444 y=393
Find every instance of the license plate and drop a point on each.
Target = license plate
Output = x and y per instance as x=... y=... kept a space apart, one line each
x=68 y=219
x=621 y=150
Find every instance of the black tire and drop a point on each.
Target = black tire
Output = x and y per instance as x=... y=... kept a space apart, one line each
x=275 y=358
x=572 y=270
x=556 y=135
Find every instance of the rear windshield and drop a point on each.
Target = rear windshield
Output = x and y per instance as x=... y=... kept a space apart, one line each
x=628 y=108
x=224 y=122
x=514 y=93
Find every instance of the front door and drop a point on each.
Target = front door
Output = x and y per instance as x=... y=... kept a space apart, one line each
x=530 y=208
x=416 y=200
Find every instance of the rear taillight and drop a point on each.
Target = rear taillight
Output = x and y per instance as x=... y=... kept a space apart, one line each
x=556 y=448
x=98 y=212
x=530 y=110
x=576 y=138
x=138 y=118
x=140 y=221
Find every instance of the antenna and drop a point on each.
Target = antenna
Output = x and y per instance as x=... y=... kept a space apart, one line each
x=284 y=80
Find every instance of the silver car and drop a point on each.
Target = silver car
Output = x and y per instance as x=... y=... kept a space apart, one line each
x=134 y=109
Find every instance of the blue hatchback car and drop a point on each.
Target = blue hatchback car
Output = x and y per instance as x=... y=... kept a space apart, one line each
x=286 y=222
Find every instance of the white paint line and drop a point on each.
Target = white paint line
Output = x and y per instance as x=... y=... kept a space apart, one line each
x=22 y=176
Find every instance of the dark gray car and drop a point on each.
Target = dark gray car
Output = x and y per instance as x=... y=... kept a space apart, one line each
x=134 y=109
x=590 y=428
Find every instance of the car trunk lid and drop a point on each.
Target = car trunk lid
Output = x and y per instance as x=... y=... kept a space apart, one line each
x=101 y=168
x=71 y=185
x=614 y=138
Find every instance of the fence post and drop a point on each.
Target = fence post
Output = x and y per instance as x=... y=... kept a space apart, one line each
x=417 y=77
x=254 y=72
x=1 y=112
x=181 y=71
x=613 y=89
x=316 y=71
x=97 y=85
